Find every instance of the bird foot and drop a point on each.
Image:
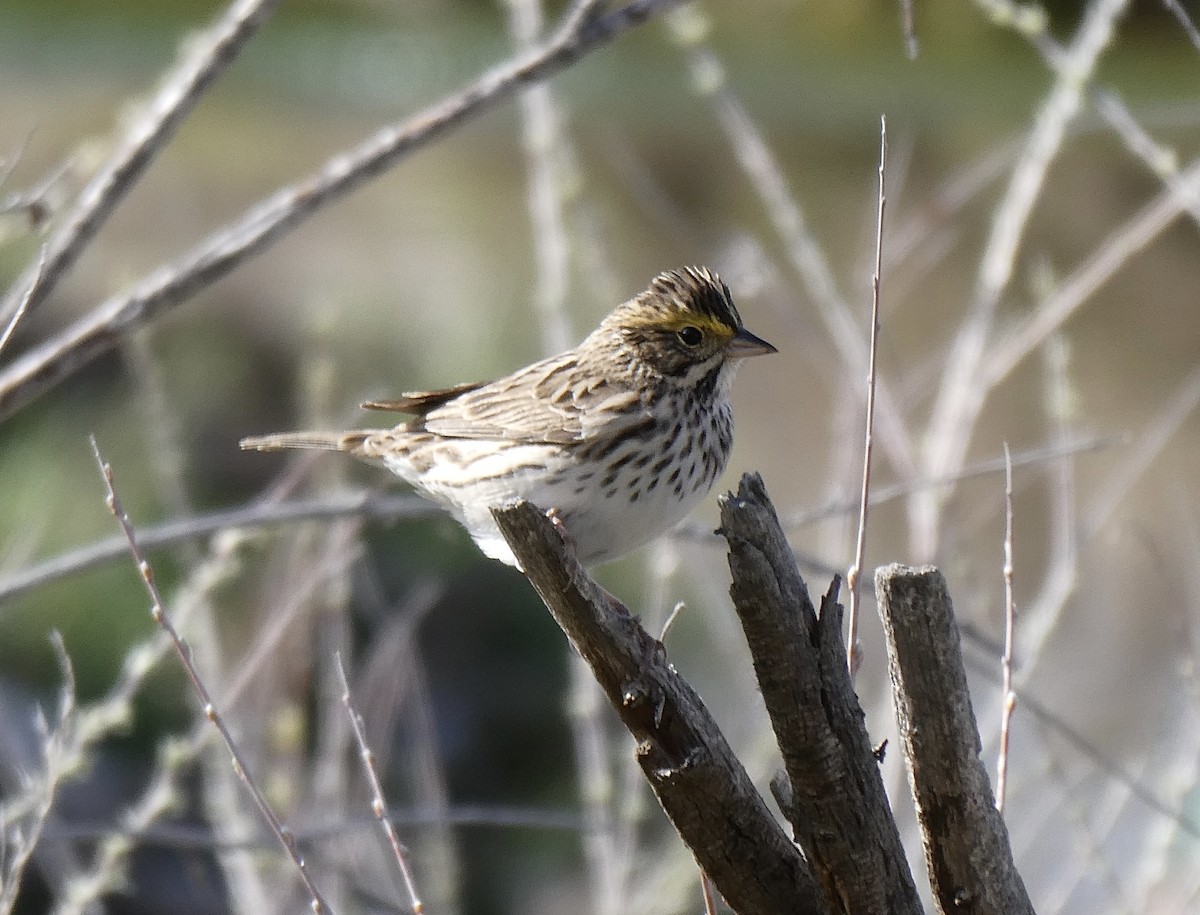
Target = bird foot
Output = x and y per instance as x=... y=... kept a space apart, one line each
x=555 y=518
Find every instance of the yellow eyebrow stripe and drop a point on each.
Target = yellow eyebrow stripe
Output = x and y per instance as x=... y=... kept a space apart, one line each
x=674 y=322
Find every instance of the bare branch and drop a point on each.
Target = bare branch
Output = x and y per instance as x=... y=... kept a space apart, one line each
x=379 y=805
x=853 y=650
x=767 y=178
x=701 y=785
x=159 y=614
x=1185 y=21
x=1148 y=444
x=47 y=365
x=908 y=18
x=36 y=203
x=23 y=305
x=883 y=494
x=962 y=393
x=1181 y=194
x=1008 y=697
x=374 y=506
x=1042 y=613
x=546 y=164
x=367 y=505
x=18 y=840
x=837 y=804
x=107 y=869
x=1089 y=750
x=203 y=59
x=967 y=853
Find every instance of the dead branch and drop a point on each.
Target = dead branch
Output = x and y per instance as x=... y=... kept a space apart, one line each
x=583 y=30
x=202 y=61
x=966 y=844
x=836 y=800
x=369 y=505
x=701 y=785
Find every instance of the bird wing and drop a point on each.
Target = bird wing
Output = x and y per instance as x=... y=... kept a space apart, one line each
x=421 y=402
x=549 y=402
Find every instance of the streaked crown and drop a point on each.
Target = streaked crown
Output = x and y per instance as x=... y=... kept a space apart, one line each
x=689 y=294
x=681 y=327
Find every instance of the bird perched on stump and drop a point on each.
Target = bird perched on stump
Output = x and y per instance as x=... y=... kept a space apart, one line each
x=619 y=437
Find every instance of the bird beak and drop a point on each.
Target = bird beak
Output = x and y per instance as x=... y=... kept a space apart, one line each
x=745 y=344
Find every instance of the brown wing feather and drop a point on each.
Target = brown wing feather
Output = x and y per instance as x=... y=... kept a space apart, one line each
x=550 y=402
x=421 y=402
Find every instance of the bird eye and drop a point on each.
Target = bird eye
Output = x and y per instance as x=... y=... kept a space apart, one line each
x=690 y=336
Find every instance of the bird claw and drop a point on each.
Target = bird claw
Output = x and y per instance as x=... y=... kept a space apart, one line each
x=555 y=518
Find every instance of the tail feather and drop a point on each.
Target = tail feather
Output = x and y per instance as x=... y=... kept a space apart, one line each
x=320 y=441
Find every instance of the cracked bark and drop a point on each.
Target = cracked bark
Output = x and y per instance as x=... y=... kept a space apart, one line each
x=834 y=797
x=830 y=790
x=700 y=783
x=967 y=852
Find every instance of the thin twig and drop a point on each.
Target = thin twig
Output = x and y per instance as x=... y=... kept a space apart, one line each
x=33 y=202
x=1010 y=614
x=7 y=164
x=114 y=710
x=1178 y=774
x=595 y=776
x=202 y=60
x=1148 y=444
x=373 y=506
x=689 y=27
x=41 y=369
x=885 y=494
x=679 y=607
x=1162 y=160
x=548 y=166
x=23 y=306
x=1043 y=612
x=162 y=424
x=962 y=393
x=159 y=615
x=191 y=836
x=18 y=844
x=545 y=158
x=223 y=798
x=1185 y=21
x=106 y=714
x=706 y=890
x=853 y=649
x=1180 y=195
x=909 y=20
x=367 y=505
x=1062 y=727
x=107 y=869
x=174 y=758
x=379 y=805
x=393 y=682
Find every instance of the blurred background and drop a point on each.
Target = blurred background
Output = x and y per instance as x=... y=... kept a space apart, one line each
x=741 y=136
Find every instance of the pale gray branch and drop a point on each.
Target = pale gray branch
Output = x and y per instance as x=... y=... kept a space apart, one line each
x=368 y=505
x=47 y=365
x=1185 y=21
x=199 y=65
